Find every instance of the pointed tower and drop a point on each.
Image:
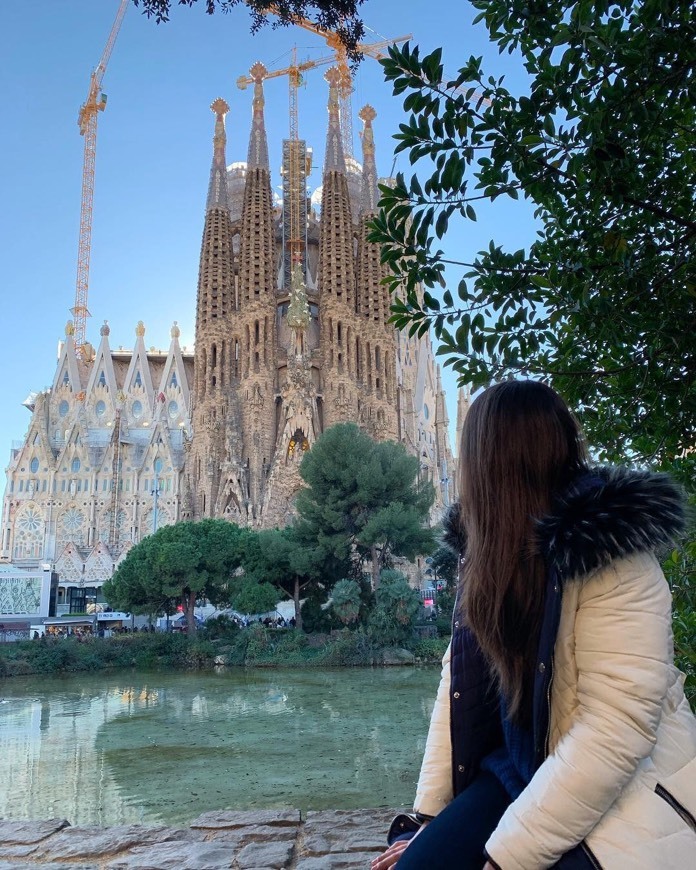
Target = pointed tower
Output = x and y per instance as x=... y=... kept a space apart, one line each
x=375 y=343
x=257 y=313
x=463 y=402
x=336 y=275
x=215 y=309
x=445 y=486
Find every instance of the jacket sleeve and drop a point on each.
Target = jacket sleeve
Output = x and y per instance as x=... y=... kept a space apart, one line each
x=622 y=655
x=434 y=790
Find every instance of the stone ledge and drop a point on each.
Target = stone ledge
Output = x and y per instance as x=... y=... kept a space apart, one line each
x=217 y=840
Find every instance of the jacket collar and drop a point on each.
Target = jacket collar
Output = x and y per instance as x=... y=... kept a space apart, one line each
x=606 y=513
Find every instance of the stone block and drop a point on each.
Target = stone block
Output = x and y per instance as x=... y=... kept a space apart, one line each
x=337 y=861
x=396 y=656
x=177 y=856
x=268 y=855
x=331 y=831
x=13 y=865
x=94 y=842
x=219 y=819
x=25 y=832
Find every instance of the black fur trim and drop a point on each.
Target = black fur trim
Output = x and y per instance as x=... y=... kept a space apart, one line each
x=606 y=513
x=453 y=534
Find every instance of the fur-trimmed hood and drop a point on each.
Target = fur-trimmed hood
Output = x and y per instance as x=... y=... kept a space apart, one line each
x=605 y=514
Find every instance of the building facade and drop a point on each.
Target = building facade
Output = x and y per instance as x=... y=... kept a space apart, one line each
x=292 y=336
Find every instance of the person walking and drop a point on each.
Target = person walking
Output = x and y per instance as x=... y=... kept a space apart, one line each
x=561 y=735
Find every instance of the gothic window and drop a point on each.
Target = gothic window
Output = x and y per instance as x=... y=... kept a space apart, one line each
x=29 y=533
x=121 y=529
x=102 y=379
x=100 y=408
x=138 y=380
x=213 y=357
x=71 y=527
x=66 y=379
x=34 y=465
x=137 y=409
x=173 y=407
x=63 y=408
x=173 y=382
x=75 y=465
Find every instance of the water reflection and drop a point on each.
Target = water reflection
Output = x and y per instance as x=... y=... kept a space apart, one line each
x=120 y=749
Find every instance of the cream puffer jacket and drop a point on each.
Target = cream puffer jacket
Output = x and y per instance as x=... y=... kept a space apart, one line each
x=621 y=768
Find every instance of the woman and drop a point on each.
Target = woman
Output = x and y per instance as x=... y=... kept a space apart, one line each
x=560 y=736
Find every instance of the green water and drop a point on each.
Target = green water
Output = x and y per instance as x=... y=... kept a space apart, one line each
x=121 y=748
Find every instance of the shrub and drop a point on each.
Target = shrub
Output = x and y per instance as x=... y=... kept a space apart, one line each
x=315 y=618
x=221 y=627
x=394 y=614
x=430 y=650
x=348 y=648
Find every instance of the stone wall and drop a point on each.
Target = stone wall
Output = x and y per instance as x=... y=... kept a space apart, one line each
x=241 y=840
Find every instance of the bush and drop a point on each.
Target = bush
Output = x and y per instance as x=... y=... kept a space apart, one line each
x=394 y=614
x=315 y=618
x=348 y=648
x=221 y=627
x=430 y=650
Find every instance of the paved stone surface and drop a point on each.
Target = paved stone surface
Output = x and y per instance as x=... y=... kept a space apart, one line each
x=218 y=840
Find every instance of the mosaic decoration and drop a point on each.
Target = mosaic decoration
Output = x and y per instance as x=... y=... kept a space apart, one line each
x=20 y=595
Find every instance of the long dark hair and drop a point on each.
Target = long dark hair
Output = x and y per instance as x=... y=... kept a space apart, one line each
x=520 y=444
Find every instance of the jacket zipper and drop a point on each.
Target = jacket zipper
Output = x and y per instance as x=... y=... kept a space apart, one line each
x=676 y=806
x=548 y=709
x=590 y=856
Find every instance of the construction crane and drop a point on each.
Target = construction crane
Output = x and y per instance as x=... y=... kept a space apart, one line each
x=375 y=50
x=87 y=122
x=294 y=73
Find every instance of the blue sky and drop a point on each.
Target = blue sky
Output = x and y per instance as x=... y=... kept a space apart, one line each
x=153 y=158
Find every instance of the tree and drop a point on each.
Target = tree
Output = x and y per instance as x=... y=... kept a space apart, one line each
x=363 y=500
x=179 y=563
x=397 y=605
x=603 y=302
x=136 y=587
x=277 y=558
x=346 y=601
x=340 y=16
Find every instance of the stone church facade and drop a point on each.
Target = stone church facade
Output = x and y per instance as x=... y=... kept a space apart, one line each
x=292 y=336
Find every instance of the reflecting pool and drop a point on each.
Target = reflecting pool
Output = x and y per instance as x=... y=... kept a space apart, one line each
x=121 y=748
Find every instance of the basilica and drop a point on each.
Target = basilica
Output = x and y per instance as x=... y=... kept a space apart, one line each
x=292 y=336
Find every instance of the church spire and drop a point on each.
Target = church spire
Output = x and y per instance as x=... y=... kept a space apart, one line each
x=335 y=158
x=217 y=189
x=258 y=143
x=372 y=296
x=370 y=192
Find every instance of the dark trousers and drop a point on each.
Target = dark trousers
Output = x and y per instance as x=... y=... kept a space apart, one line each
x=454 y=840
